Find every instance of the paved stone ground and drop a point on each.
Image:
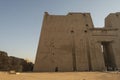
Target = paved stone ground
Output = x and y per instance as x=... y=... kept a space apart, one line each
x=62 y=76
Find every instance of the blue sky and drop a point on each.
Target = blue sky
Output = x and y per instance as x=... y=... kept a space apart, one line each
x=21 y=20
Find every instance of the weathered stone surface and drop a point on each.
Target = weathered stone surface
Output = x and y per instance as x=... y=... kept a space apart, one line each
x=8 y=63
x=71 y=43
x=4 y=64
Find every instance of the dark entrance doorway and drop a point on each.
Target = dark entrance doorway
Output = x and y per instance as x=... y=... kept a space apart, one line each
x=108 y=56
x=56 y=69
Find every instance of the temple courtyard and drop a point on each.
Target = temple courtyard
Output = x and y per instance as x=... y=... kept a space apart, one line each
x=61 y=76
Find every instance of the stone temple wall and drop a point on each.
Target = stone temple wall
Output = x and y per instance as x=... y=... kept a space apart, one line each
x=72 y=43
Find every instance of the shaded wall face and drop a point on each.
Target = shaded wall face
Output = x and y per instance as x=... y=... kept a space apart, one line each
x=8 y=63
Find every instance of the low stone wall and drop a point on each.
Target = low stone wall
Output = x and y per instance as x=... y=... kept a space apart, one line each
x=8 y=63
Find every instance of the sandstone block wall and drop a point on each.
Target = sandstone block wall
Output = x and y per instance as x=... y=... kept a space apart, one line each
x=71 y=43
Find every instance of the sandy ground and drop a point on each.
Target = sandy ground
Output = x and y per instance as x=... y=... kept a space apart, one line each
x=62 y=76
